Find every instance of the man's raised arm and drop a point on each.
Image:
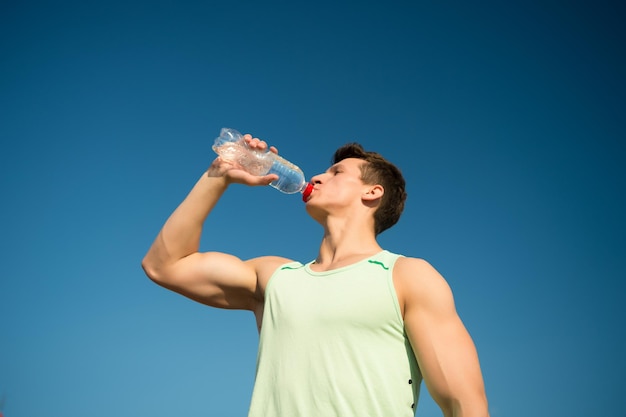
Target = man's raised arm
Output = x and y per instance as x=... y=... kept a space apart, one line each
x=174 y=260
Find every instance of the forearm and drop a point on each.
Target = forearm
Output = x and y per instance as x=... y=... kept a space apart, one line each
x=180 y=235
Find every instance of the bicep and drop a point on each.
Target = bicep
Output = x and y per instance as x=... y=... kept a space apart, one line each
x=215 y=279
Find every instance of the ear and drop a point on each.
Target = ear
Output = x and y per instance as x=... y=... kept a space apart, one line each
x=373 y=192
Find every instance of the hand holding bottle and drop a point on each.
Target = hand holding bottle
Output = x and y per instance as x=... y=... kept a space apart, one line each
x=233 y=172
x=253 y=156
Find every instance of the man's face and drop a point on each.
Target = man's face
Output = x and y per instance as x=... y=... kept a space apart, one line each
x=339 y=187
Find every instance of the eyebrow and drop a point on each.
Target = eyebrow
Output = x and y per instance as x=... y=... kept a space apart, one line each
x=345 y=166
x=335 y=167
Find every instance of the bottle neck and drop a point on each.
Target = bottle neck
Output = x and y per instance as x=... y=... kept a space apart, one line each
x=306 y=192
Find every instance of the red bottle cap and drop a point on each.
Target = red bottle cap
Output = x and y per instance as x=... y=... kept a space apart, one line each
x=307 y=192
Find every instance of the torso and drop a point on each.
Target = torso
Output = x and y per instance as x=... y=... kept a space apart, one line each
x=315 y=314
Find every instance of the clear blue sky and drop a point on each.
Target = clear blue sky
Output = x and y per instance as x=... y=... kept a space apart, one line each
x=507 y=119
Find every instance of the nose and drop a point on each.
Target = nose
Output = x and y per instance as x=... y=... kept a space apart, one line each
x=316 y=179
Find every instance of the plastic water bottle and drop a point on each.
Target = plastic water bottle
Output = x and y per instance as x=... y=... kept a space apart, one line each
x=230 y=146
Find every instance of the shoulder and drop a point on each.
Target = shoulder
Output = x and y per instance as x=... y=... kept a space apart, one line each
x=265 y=266
x=418 y=282
x=413 y=269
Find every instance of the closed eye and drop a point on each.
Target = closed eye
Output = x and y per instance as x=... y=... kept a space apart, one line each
x=335 y=170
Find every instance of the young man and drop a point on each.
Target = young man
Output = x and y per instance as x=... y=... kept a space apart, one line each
x=350 y=334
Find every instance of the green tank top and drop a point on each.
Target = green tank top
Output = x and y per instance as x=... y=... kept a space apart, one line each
x=332 y=344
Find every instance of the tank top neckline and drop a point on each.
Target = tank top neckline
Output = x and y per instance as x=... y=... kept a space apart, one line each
x=307 y=266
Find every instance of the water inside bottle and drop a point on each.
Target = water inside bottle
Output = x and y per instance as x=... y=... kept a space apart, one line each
x=290 y=177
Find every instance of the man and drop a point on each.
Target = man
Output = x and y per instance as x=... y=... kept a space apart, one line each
x=350 y=334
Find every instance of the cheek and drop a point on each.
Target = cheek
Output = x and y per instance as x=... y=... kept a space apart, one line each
x=343 y=194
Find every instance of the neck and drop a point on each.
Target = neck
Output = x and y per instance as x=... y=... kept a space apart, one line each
x=345 y=243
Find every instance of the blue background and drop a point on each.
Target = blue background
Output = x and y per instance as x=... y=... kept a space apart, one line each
x=507 y=119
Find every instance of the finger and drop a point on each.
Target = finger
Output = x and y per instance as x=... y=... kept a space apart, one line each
x=268 y=179
x=257 y=143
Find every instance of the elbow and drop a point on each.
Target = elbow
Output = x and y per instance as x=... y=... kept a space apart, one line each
x=469 y=406
x=152 y=269
x=475 y=408
x=160 y=269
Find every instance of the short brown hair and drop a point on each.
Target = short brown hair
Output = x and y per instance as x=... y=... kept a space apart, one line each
x=377 y=170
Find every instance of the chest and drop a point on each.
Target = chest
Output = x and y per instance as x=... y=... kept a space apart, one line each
x=363 y=300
